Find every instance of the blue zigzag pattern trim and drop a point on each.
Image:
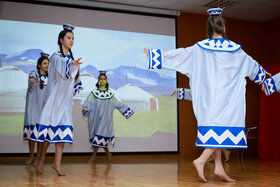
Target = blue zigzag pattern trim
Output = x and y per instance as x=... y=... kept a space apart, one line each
x=270 y=86
x=67 y=70
x=101 y=141
x=128 y=113
x=219 y=44
x=261 y=75
x=58 y=134
x=221 y=137
x=155 y=59
x=181 y=93
x=27 y=130
x=78 y=87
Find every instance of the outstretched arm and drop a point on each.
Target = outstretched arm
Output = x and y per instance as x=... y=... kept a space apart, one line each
x=123 y=108
x=271 y=84
x=177 y=59
x=183 y=94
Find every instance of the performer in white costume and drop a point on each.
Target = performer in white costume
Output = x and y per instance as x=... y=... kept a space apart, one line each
x=185 y=94
x=55 y=124
x=37 y=83
x=98 y=109
x=216 y=68
x=272 y=84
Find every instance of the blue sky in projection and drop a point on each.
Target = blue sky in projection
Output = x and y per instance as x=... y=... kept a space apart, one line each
x=103 y=49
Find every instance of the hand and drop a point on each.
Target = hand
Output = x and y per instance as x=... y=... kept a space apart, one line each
x=263 y=87
x=76 y=62
x=33 y=80
x=146 y=51
x=269 y=74
x=175 y=91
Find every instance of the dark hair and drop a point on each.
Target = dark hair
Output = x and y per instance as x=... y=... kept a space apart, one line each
x=61 y=36
x=216 y=24
x=39 y=62
x=97 y=84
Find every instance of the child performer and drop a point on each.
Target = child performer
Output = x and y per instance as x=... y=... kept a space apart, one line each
x=217 y=68
x=56 y=125
x=185 y=94
x=98 y=109
x=272 y=84
x=37 y=83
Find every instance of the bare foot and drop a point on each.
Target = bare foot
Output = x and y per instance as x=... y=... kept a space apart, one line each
x=222 y=175
x=92 y=158
x=199 y=166
x=58 y=171
x=36 y=162
x=29 y=160
x=39 y=168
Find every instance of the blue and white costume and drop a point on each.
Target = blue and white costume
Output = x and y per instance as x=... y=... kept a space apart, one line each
x=55 y=124
x=216 y=69
x=98 y=109
x=34 y=103
x=272 y=84
x=184 y=94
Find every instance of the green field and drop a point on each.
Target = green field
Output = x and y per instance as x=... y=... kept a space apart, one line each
x=140 y=124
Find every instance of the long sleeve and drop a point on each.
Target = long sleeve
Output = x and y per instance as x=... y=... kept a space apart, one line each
x=123 y=108
x=254 y=70
x=178 y=59
x=88 y=105
x=63 y=66
x=78 y=86
x=184 y=94
x=272 y=84
x=32 y=85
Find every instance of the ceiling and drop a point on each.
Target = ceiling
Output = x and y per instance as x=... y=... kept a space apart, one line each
x=254 y=10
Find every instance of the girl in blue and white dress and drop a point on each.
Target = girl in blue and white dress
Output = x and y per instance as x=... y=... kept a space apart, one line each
x=55 y=124
x=216 y=68
x=272 y=84
x=37 y=83
x=98 y=109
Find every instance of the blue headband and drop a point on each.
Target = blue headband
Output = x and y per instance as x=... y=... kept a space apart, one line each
x=102 y=72
x=44 y=54
x=215 y=11
x=68 y=27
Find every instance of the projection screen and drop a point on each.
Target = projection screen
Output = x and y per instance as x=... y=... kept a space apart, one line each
x=105 y=40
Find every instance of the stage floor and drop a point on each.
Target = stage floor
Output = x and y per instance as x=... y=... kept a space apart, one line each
x=134 y=172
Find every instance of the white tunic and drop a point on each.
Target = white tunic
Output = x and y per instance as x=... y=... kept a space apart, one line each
x=98 y=109
x=34 y=103
x=55 y=124
x=217 y=69
x=272 y=84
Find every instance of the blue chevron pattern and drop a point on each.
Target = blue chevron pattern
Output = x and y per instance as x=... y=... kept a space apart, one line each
x=155 y=59
x=127 y=113
x=78 y=87
x=67 y=71
x=181 y=92
x=219 y=44
x=103 y=94
x=44 y=79
x=269 y=86
x=101 y=141
x=221 y=137
x=261 y=75
x=27 y=130
x=58 y=134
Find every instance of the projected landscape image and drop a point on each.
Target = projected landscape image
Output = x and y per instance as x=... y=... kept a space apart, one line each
x=153 y=127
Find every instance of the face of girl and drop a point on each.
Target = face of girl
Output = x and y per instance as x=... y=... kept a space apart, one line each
x=68 y=40
x=45 y=65
x=102 y=80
